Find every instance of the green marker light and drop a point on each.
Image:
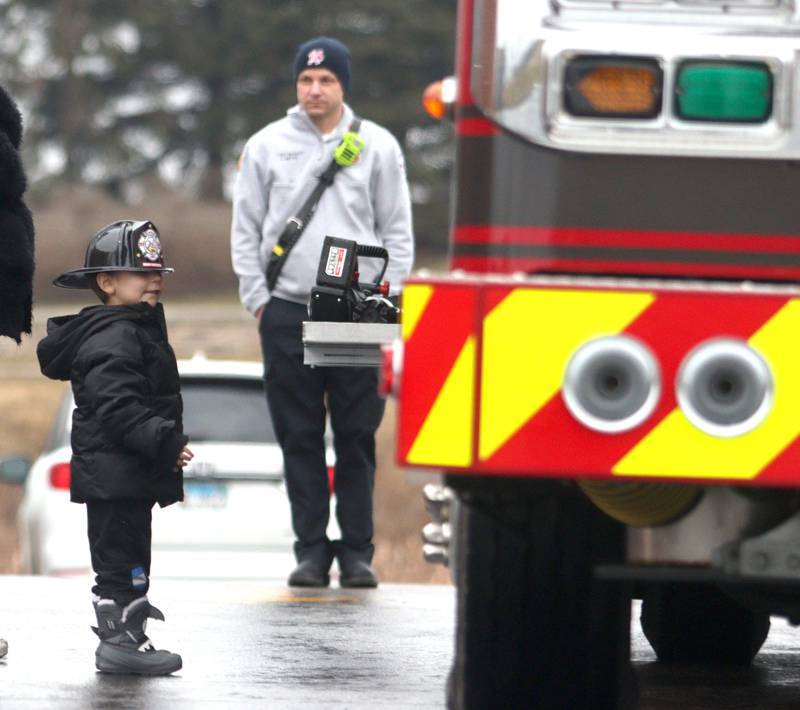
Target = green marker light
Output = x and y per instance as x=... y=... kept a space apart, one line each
x=738 y=92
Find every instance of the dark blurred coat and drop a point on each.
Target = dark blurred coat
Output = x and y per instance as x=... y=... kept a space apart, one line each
x=16 y=228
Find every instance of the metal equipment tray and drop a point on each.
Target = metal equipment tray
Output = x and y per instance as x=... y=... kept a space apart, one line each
x=346 y=344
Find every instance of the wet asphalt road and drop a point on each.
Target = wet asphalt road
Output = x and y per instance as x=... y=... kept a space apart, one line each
x=244 y=645
x=254 y=645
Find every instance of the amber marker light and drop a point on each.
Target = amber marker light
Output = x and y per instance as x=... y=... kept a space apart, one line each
x=439 y=97
x=613 y=87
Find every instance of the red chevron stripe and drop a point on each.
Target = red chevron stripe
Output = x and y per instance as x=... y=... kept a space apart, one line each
x=492 y=297
x=782 y=470
x=430 y=354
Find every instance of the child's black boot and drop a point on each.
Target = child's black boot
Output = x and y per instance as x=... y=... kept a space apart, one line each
x=124 y=646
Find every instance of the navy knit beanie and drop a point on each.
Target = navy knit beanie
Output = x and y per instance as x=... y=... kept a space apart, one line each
x=324 y=53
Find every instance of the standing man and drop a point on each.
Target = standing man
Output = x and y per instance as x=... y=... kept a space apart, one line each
x=367 y=202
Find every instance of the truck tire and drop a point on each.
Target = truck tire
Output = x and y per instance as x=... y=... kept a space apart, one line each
x=535 y=629
x=698 y=623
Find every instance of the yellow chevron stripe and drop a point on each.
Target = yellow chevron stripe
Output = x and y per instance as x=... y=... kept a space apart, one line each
x=445 y=438
x=415 y=300
x=676 y=448
x=528 y=339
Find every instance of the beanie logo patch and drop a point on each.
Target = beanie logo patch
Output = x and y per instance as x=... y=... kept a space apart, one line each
x=150 y=245
x=315 y=57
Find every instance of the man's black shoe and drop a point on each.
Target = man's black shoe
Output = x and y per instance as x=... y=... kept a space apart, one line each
x=309 y=574
x=358 y=574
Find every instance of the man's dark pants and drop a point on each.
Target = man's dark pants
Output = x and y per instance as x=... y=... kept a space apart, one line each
x=119 y=542
x=296 y=395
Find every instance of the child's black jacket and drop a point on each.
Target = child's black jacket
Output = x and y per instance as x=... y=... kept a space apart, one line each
x=127 y=428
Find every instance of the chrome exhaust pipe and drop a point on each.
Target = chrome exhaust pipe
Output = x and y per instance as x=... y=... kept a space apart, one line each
x=612 y=384
x=724 y=387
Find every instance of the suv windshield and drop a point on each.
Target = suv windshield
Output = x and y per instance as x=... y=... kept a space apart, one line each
x=227 y=410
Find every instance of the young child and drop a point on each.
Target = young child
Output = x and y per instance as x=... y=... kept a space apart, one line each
x=128 y=446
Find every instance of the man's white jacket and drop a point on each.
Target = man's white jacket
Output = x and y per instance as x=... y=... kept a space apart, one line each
x=368 y=203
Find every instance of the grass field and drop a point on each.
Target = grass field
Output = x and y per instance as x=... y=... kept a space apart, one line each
x=220 y=329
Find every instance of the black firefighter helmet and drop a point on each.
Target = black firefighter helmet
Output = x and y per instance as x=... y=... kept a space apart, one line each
x=127 y=245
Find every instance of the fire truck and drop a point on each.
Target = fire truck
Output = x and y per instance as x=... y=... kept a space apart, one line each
x=609 y=373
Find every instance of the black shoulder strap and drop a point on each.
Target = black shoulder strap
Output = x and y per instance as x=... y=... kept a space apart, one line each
x=296 y=225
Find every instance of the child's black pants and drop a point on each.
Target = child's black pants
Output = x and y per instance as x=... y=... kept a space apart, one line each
x=119 y=542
